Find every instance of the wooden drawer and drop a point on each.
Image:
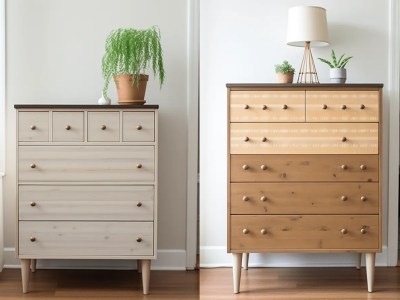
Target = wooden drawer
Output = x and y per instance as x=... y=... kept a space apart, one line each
x=86 y=163
x=53 y=239
x=68 y=126
x=342 y=106
x=138 y=126
x=267 y=106
x=33 y=126
x=304 y=138
x=297 y=233
x=103 y=126
x=304 y=168
x=105 y=202
x=304 y=198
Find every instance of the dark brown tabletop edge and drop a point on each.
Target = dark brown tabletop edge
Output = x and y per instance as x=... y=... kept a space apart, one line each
x=304 y=85
x=92 y=106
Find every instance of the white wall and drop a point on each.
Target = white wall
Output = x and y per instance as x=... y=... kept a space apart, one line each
x=54 y=52
x=240 y=42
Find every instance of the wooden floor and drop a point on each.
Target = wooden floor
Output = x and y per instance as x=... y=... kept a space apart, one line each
x=99 y=284
x=300 y=283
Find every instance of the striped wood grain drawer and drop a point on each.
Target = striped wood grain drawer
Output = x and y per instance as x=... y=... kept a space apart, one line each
x=33 y=126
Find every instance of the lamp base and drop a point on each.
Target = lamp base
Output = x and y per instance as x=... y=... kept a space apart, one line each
x=307 y=73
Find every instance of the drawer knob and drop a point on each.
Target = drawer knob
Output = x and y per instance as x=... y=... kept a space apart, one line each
x=344 y=139
x=32 y=239
x=246 y=139
x=263 y=167
x=103 y=127
x=263 y=231
x=139 y=240
x=344 y=198
x=246 y=198
x=33 y=127
x=139 y=127
x=285 y=106
x=362 y=106
x=324 y=106
x=363 y=167
x=67 y=127
x=263 y=198
x=246 y=106
x=344 y=107
x=344 y=167
x=363 y=198
x=33 y=166
x=139 y=166
x=139 y=204
x=246 y=231
x=33 y=203
x=245 y=167
x=363 y=231
x=264 y=139
x=265 y=107
x=343 y=231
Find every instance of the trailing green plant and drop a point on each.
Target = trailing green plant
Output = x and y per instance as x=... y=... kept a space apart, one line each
x=132 y=51
x=285 y=67
x=335 y=63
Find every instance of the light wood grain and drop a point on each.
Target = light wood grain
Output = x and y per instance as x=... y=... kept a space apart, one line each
x=33 y=126
x=25 y=270
x=96 y=121
x=137 y=126
x=72 y=120
x=145 y=265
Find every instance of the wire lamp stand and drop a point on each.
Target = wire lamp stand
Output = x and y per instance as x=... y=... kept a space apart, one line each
x=308 y=72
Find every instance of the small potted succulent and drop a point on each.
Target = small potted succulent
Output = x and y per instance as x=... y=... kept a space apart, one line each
x=129 y=54
x=285 y=72
x=337 y=72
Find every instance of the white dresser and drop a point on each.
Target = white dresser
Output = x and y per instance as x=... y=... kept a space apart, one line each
x=87 y=184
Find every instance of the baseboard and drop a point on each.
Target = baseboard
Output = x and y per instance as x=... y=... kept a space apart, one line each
x=171 y=259
x=214 y=257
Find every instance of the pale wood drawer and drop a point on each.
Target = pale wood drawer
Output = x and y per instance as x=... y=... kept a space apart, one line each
x=342 y=106
x=68 y=126
x=303 y=168
x=86 y=163
x=93 y=202
x=103 y=126
x=138 y=126
x=54 y=239
x=297 y=232
x=304 y=198
x=304 y=138
x=33 y=126
x=267 y=106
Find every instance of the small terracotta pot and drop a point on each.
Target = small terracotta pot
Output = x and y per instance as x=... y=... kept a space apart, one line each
x=129 y=92
x=285 y=77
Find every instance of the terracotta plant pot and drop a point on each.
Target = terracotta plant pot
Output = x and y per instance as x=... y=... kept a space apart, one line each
x=130 y=92
x=285 y=77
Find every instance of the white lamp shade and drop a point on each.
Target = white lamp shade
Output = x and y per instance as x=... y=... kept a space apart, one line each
x=307 y=24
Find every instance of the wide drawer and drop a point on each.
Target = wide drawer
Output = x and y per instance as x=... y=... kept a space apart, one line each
x=296 y=232
x=68 y=126
x=138 y=126
x=253 y=168
x=33 y=126
x=267 y=106
x=86 y=163
x=304 y=138
x=304 y=198
x=342 y=106
x=68 y=239
x=93 y=202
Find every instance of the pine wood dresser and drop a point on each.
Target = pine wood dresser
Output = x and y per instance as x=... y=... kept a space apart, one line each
x=87 y=184
x=304 y=170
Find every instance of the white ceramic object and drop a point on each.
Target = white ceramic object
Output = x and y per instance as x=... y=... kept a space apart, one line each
x=338 y=75
x=104 y=100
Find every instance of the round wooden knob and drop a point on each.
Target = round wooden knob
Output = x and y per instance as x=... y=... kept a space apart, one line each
x=33 y=203
x=344 y=107
x=363 y=231
x=363 y=167
x=32 y=239
x=324 y=106
x=103 y=127
x=139 y=127
x=344 y=167
x=264 y=139
x=33 y=127
x=33 y=166
x=343 y=231
x=263 y=231
x=362 y=106
x=139 y=204
x=139 y=166
x=246 y=106
x=246 y=198
x=139 y=240
x=285 y=106
x=344 y=139
x=246 y=231
x=263 y=198
x=245 y=167
x=265 y=107
x=263 y=167
x=344 y=198
x=246 y=139
x=363 y=198
x=68 y=127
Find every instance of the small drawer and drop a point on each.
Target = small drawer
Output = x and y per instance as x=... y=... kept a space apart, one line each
x=286 y=168
x=53 y=239
x=68 y=126
x=103 y=126
x=310 y=233
x=33 y=126
x=88 y=202
x=304 y=198
x=267 y=106
x=138 y=126
x=342 y=106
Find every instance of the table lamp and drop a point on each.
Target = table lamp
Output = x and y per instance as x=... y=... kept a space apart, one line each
x=307 y=27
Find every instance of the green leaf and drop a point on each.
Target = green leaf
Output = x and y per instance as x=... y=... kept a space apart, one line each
x=345 y=61
x=326 y=61
x=334 y=58
x=340 y=59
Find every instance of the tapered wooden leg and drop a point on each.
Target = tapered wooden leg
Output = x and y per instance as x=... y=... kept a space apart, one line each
x=246 y=261
x=370 y=265
x=145 y=275
x=25 y=266
x=139 y=266
x=237 y=269
x=33 y=265
x=358 y=263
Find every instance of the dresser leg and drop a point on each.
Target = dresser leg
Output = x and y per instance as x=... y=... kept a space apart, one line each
x=370 y=264
x=358 y=263
x=25 y=270
x=139 y=266
x=246 y=261
x=146 y=275
x=237 y=268
x=33 y=265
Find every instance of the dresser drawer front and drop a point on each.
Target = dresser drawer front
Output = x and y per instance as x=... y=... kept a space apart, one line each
x=311 y=138
x=86 y=163
x=304 y=198
x=138 y=126
x=91 y=203
x=33 y=126
x=342 y=106
x=68 y=126
x=103 y=126
x=295 y=232
x=282 y=168
x=69 y=239
x=267 y=106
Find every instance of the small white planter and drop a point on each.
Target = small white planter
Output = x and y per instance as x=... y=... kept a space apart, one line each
x=338 y=75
